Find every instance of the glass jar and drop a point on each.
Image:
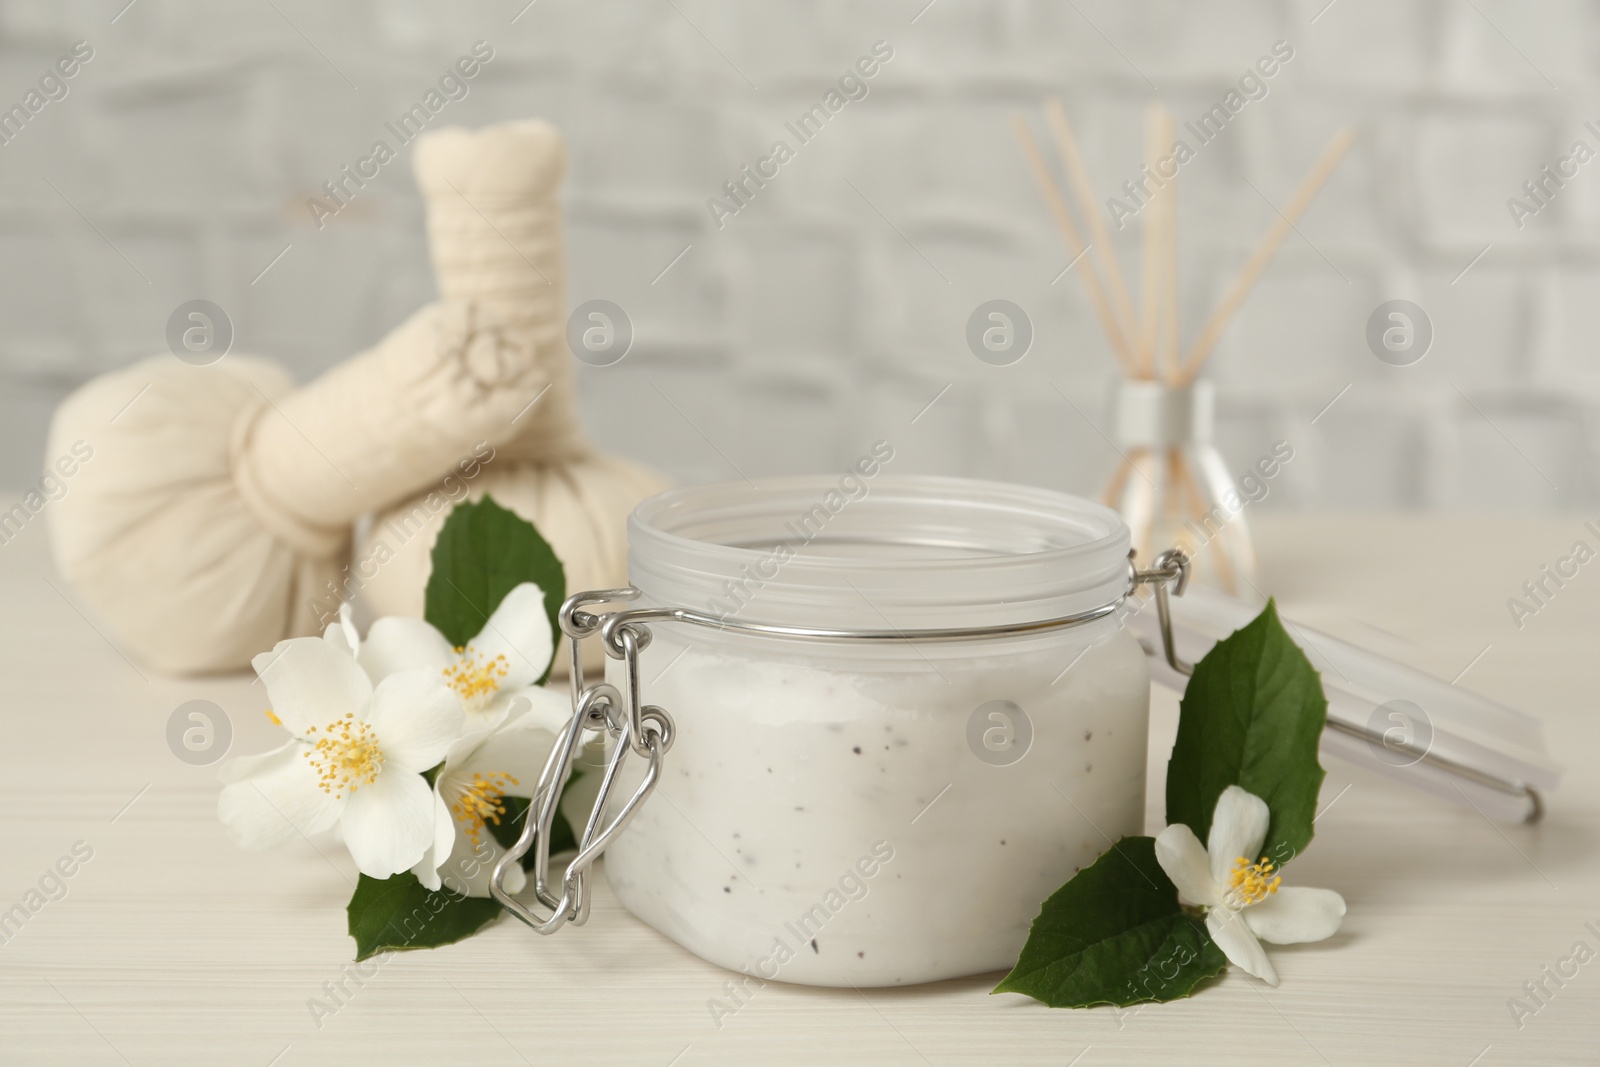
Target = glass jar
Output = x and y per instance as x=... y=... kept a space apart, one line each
x=881 y=808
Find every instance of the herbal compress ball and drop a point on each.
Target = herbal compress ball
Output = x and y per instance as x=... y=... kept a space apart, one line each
x=217 y=517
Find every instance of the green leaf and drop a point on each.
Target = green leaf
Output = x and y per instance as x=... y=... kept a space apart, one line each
x=1114 y=934
x=506 y=831
x=1252 y=716
x=483 y=552
x=398 y=913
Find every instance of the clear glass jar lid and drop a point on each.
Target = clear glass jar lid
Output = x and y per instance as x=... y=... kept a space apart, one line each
x=855 y=552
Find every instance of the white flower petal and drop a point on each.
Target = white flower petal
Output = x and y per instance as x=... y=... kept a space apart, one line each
x=416 y=716
x=396 y=643
x=335 y=635
x=1184 y=859
x=482 y=720
x=311 y=683
x=518 y=748
x=519 y=630
x=389 y=823
x=470 y=866
x=444 y=839
x=516 y=879
x=1233 y=936
x=1238 y=828
x=462 y=748
x=1295 y=914
x=241 y=767
x=551 y=708
x=341 y=634
x=427 y=876
x=347 y=622
x=273 y=798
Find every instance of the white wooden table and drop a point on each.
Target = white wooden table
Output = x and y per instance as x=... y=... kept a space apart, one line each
x=172 y=947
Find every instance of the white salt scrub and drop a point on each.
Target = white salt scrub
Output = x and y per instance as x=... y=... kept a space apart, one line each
x=873 y=812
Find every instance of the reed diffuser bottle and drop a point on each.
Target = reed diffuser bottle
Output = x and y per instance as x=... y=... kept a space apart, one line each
x=1171 y=487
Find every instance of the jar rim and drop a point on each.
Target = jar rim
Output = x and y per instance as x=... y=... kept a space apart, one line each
x=856 y=551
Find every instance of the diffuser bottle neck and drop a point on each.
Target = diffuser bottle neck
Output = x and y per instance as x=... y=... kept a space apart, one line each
x=1151 y=414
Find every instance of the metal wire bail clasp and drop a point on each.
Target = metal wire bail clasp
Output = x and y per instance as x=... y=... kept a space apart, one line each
x=645 y=731
x=1168 y=573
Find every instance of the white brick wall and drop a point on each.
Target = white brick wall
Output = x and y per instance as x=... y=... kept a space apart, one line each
x=811 y=324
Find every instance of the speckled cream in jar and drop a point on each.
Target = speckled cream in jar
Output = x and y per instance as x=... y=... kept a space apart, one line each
x=873 y=813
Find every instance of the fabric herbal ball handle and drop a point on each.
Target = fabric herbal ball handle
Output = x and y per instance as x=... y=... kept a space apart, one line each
x=220 y=502
x=498 y=248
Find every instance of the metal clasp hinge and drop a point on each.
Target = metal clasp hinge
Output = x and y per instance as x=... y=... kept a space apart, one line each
x=641 y=730
x=1168 y=576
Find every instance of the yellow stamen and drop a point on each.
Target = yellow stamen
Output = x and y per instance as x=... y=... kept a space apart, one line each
x=480 y=803
x=475 y=679
x=346 y=757
x=1251 y=883
x=273 y=719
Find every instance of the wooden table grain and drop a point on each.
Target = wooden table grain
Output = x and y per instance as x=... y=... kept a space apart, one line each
x=171 y=947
